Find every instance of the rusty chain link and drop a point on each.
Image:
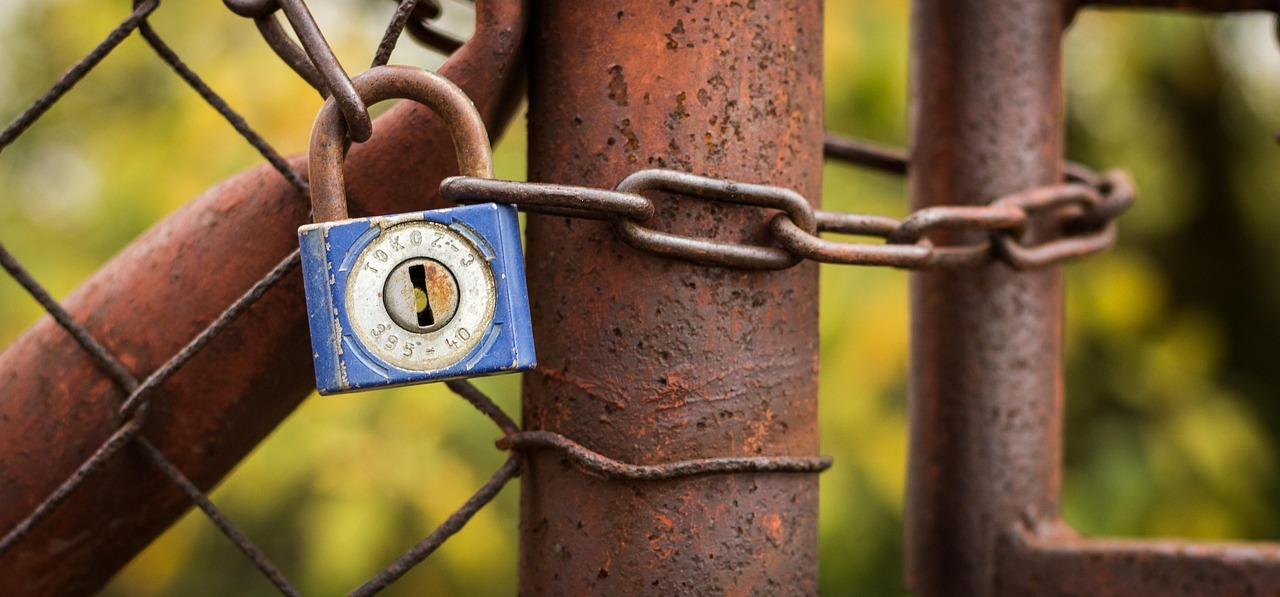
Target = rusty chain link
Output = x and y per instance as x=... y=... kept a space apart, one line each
x=1027 y=230
x=1031 y=229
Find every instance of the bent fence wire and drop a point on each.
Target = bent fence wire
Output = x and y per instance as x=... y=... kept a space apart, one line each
x=323 y=72
x=133 y=410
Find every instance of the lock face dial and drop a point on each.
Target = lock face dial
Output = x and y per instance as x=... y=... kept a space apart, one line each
x=421 y=296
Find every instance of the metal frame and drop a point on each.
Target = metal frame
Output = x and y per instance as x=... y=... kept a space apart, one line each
x=986 y=439
x=662 y=446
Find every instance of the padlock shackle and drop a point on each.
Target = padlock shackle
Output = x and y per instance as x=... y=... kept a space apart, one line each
x=328 y=134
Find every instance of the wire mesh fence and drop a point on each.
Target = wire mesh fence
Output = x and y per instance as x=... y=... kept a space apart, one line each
x=139 y=390
x=133 y=411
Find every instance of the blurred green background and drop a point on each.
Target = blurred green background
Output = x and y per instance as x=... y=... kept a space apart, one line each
x=1171 y=337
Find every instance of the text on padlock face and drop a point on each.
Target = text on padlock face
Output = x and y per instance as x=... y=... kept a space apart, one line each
x=406 y=265
x=419 y=297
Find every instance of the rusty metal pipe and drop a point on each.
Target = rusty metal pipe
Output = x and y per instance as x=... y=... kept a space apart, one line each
x=986 y=377
x=56 y=406
x=1191 y=5
x=650 y=360
x=1048 y=558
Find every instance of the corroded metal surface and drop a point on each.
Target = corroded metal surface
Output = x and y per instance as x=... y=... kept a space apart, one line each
x=160 y=292
x=1053 y=560
x=648 y=360
x=1193 y=5
x=986 y=386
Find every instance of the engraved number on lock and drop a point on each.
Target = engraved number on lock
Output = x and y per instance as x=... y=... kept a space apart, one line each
x=420 y=296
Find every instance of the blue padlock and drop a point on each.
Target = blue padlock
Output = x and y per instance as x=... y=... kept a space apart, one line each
x=417 y=297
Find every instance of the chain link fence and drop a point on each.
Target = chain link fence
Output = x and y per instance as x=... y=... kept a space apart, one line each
x=1090 y=200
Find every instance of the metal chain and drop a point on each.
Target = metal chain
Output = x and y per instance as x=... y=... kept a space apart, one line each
x=133 y=410
x=1028 y=230
x=1031 y=229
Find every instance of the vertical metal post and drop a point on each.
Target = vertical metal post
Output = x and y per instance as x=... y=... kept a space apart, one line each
x=986 y=382
x=649 y=360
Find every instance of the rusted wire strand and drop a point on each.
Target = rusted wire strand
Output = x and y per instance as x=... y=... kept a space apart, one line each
x=140 y=395
x=421 y=29
x=213 y=99
x=602 y=466
x=509 y=470
x=359 y=124
x=99 y=353
x=219 y=519
x=484 y=404
x=864 y=153
x=392 y=34
x=117 y=440
x=290 y=52
x=77 y=72
x=134 y=408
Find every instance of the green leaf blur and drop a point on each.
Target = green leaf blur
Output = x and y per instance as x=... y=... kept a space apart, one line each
x=1171 y=337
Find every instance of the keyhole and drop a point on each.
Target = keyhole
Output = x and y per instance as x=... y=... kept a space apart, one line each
x=421 y=295
x=418 y=277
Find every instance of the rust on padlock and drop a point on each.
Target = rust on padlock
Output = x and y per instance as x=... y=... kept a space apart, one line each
x=421 y=295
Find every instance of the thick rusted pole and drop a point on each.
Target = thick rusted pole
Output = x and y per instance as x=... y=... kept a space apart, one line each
x=649 y=360
x=986 y=375
x=57 y=406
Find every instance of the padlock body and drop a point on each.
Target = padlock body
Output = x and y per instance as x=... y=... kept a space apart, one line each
x=417 y=297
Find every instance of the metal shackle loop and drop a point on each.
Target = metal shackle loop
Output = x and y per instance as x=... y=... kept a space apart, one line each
x=328 y=150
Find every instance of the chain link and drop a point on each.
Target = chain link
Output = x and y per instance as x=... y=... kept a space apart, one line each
x=1032 y=229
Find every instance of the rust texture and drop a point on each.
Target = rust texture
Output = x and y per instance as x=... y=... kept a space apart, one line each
x=648 y=360
x=1053 y=560
x=986 y=380
x=160 y=292
x=1192 y=5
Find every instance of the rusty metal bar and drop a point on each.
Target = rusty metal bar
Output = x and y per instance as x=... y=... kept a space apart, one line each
x=1051 y=559
x=159 y=293
x=1192 y=5
x=651 y=361
x=986 y=375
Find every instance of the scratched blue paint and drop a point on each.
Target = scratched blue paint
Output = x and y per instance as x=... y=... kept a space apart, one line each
x=343 y=365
